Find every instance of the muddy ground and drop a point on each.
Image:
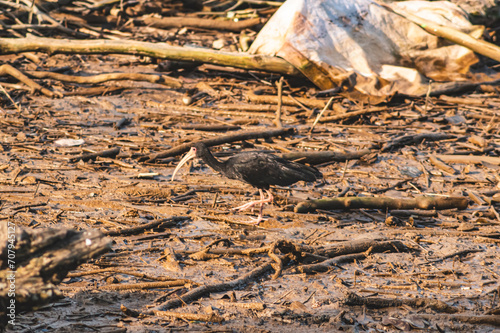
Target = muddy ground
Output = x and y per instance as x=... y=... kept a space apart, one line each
x=443 y=276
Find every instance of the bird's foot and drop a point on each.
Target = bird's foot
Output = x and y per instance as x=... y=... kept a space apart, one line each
x=255 y=220
x=246 y=206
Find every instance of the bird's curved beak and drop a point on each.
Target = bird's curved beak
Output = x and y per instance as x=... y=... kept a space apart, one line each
x=191 y=154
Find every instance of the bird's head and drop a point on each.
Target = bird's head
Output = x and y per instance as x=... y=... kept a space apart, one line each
x=195 y=151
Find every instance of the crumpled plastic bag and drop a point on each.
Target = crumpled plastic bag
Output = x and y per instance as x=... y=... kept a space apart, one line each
x=363 y=47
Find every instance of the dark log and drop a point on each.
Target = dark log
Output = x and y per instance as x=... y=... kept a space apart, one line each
x=33 y=262
x=383 y=203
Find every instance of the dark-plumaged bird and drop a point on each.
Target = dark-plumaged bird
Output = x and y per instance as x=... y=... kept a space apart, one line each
x=260 y=170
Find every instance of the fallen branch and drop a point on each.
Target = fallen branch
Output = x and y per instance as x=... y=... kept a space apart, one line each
x=353 y=299
x=155 y=50
x=493 y=320
x=196 y=22
x=320 y=157
x=92 y=156
x=361 y=245
x=93 y=91
x=383 y=203
x=209 y=128
x=285 y=100
x=469 y=159
x=466 y=101
x=96 y=79
x=232 y=251
x=164 y=223
x=406 y=140
x=11 y=71
x=205 y=290
x=217 y=141
x=118 y=270
x=441 y=165
x=454 y=35
x=214 y=318
x=32 y=8
x=353 y=114
x=145 y=285
x=453 y=255
x=324 y=266
x=348 y=252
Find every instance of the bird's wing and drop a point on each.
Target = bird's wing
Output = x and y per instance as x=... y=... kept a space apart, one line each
x=262 y=170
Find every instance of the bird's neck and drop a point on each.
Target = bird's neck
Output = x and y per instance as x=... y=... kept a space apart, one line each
x=213 y=162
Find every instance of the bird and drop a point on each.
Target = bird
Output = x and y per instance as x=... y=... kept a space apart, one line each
x=259 y=169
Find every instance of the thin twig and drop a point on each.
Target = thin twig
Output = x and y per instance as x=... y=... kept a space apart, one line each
x=327 y=106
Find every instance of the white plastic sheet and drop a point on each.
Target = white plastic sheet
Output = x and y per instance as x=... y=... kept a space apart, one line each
x=360 y=45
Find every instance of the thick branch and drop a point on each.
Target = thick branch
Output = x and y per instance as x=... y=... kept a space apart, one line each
x=177 y=150
x=361 y=245
x=383 y=203
x=205 y=290
x=380 y=302
x=350 y=251
x=155 y=50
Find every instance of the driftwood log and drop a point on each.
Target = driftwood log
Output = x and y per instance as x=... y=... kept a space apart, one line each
x=420 y=202
x=33 y=262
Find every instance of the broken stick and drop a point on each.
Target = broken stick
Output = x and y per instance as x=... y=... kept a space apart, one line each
x=217 y=141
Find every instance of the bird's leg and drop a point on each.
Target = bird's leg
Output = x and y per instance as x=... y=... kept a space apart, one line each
x=263 y=201
x=251 y=204
x=260 y=202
